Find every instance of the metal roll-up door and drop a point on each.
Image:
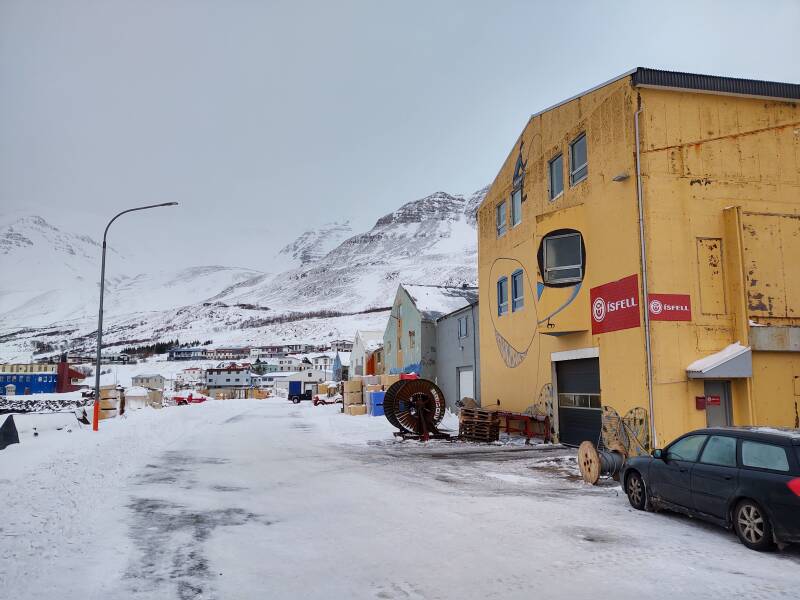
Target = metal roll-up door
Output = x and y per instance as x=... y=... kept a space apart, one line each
x=579 y=408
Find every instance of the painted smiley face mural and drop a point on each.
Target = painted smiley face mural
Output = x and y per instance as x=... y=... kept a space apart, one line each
x=516 y=338
x=542 y=297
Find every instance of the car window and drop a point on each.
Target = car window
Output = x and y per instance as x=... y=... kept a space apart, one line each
x=720 y=450
x=764 y=456
x=687 y=448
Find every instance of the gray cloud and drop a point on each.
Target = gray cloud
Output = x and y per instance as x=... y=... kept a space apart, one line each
x=264 y=119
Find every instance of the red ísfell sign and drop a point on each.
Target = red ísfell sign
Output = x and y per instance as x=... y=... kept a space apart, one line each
x=669 y=307
x=615 y=305
x=713 y=401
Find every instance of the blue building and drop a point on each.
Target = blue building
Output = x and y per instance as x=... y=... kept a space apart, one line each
x=23 y=379
x=341 y=366
x=187 y=354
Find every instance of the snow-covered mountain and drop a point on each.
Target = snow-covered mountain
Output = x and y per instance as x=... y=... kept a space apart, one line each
x=312 y=245
x=431 y=240
x=50 y=276
x=331 y=286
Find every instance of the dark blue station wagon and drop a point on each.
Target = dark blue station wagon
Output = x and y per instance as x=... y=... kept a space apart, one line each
x=744 y=478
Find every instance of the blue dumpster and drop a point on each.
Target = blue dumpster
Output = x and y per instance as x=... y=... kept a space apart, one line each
x=376 y=403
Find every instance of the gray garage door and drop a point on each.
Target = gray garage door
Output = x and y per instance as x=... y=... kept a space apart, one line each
x=579 y=408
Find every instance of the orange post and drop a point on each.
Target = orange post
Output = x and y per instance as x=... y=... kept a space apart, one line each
x=96 y=417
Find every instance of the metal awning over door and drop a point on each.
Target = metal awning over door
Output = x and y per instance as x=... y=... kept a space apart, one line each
x=731 y=362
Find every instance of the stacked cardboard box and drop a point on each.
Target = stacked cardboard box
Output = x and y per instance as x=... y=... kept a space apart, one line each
x=109 y=401
x=355 y=409
x=353 y=397
x=387 y=380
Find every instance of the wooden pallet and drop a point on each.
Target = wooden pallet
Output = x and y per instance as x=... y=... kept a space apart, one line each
x=478 y=425
x=476 y=414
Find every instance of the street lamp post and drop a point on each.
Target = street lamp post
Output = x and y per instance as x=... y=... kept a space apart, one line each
x=96 y=416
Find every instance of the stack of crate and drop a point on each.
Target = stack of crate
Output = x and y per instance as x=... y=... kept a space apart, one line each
x=109 y=401
x=388 y=380
x=354 y=398
x=478 y=425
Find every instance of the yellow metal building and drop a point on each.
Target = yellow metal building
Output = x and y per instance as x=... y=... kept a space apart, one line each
x=713 y=166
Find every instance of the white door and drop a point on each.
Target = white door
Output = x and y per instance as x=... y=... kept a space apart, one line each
x=466 y=383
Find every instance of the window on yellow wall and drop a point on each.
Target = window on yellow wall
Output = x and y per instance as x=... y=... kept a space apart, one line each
x=563 y=258
x=516 y=207
x=578 y=160
x=556 y=176
x=517 y=292
x=500 y=219
x=502 y=296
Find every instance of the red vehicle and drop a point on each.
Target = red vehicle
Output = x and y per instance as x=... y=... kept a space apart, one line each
x=327 y=399
x=190 y=399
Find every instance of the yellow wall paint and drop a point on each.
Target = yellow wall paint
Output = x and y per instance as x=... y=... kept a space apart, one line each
x=703 y=155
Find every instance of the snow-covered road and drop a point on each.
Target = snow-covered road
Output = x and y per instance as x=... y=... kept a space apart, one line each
x=265 y=499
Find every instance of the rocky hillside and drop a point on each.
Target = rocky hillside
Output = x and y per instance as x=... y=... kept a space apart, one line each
x=431 y=240
x=312 y=245
x=331 y=286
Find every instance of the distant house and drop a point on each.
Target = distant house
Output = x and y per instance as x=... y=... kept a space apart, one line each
x=229 y=381
x=322 y=361
x=229 y=353
x=282 y=364
x=190 y=376
x=278 y=350
x=457 y=355
x=341 y=346
x=409 y=341
x=362 y=359
x=196 y=353
x=380 y=366
x=341 y=366
x=150 y=381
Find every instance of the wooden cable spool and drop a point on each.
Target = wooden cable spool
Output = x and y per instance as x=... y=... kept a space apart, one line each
x=593 y=464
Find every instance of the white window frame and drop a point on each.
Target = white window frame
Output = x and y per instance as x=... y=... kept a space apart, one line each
x=500 y=305
x=516 y=217
x=465 y=332
x=552 y=197
x=514 y=298
x=573 y=168
x=502 y=228
x=548 y=270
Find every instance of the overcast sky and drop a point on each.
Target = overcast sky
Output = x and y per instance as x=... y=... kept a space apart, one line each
x=264 y=119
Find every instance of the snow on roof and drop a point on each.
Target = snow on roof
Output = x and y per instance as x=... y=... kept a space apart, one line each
x=705 y=364
x=136 y=391
x=435 y=301
x=46 y=396
x=369 y=335
x=280 y=375
x=371 y=340
x=148 y=375
x=344 y=358
x=313 y=355
x=374 y=345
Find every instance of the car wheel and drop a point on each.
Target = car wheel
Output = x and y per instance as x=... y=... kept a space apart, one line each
x=634 y=488
x=752 y=526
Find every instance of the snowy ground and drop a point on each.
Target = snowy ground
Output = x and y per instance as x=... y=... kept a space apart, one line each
x=265 y=499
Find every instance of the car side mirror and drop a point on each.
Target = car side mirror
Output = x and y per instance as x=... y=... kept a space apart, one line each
x=659 y=453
